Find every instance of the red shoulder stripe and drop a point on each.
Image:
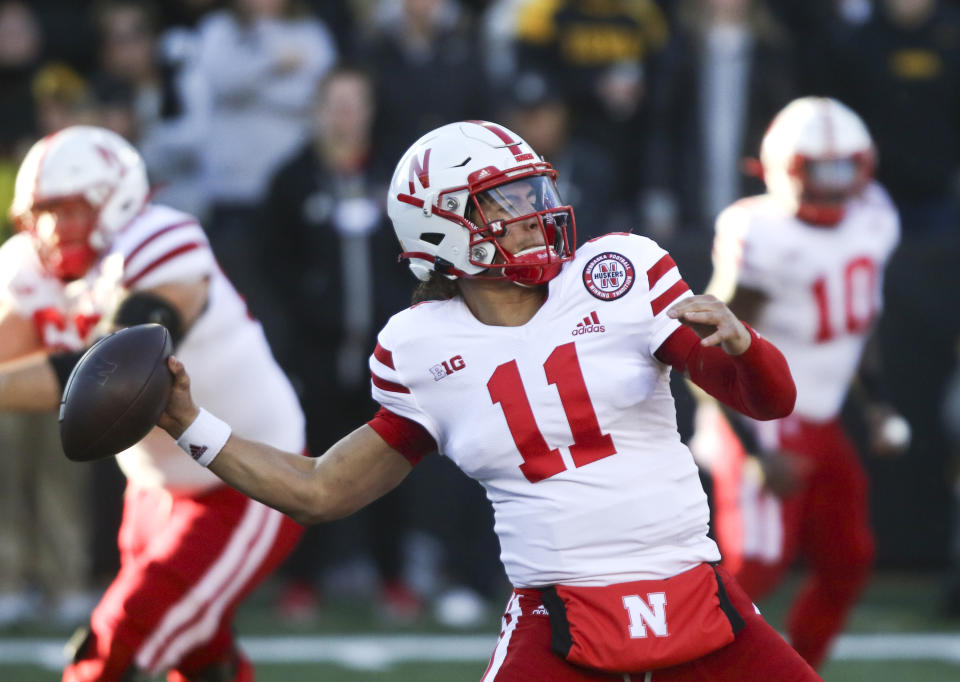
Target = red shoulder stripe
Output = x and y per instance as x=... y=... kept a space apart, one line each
x=659 y=269
x=668 y=297
x=388 y=385
x=384 y=356
x=169 y=255
x=156 y=234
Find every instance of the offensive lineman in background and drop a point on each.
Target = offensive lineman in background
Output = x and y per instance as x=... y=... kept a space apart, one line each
x=92 y=254
x=804 y=265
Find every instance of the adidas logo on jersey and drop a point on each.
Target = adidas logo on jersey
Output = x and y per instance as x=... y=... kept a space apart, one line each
x=539 y=611
x=590 y=324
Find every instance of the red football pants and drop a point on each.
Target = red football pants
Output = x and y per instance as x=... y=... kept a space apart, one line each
x=758 y=652
x=186 y=563
x=827 y=522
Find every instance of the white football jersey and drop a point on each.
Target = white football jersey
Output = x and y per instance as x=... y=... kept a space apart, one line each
x=567 y=421
x=824 y=286
x=232 y=371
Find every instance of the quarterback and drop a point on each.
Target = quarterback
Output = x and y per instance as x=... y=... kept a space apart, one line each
x=542 y=371
x=804 y=264
x=93 y=254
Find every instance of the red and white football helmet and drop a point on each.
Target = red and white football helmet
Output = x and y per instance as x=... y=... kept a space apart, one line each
x=816 y=155
x=441 y=187
x=74 y=191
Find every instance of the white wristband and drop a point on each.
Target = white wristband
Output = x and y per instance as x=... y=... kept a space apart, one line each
x=204 y=438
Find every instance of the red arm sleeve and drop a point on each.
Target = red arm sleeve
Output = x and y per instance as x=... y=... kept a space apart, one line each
x=757 y=383
x=404 y=435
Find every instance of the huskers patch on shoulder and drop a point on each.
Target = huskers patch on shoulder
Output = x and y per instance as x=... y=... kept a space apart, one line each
x=608 y=275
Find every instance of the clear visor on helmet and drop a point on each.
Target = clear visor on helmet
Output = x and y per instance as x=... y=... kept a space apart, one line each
x=519 y=198
x=831 y=174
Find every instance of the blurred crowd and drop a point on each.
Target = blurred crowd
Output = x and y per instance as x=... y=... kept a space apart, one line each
x=278 y=123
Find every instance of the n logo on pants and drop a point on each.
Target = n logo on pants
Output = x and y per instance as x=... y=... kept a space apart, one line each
x=651 y=612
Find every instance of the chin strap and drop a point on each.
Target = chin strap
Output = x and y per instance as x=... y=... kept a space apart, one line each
x=826 y=216
x=533 y=268
x=72 y=263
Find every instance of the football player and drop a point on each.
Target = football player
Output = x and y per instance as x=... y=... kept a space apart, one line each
x=543 y=373
x=804 y=265
x=92 y=254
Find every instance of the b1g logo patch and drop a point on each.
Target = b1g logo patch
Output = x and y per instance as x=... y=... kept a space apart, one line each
x=608 y=276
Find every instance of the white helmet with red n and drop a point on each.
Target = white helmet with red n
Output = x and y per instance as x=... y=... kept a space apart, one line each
x=74 y=191
x=816 y=155
x=444 y=183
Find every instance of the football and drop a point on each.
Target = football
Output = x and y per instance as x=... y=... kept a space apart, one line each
x=116 y=392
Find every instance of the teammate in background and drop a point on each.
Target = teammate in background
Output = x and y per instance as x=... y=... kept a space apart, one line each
x=92 y=254
x=543 y=374
x=804 y=265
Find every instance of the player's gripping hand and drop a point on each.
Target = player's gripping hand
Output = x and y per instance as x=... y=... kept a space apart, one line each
x=713 y=322
x=181 y=411
x=784 y=473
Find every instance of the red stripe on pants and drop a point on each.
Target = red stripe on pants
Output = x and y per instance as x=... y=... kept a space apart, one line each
x=167 y=545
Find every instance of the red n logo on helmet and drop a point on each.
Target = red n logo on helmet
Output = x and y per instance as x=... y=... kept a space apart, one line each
x=422 y=172
x=108 y=155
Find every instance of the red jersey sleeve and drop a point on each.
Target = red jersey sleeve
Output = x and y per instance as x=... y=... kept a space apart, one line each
x=404 y=435
x=757 y=382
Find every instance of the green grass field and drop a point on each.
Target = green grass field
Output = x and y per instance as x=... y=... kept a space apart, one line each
x=895 y=634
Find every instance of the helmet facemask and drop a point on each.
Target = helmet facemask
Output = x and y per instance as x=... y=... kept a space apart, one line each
x=519 y=230
x=61 y=230
x=825 y=185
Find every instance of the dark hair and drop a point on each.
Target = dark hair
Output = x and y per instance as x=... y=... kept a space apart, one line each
x=436 y=288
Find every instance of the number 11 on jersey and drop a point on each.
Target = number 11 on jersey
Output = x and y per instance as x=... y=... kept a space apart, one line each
x=562 y=369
